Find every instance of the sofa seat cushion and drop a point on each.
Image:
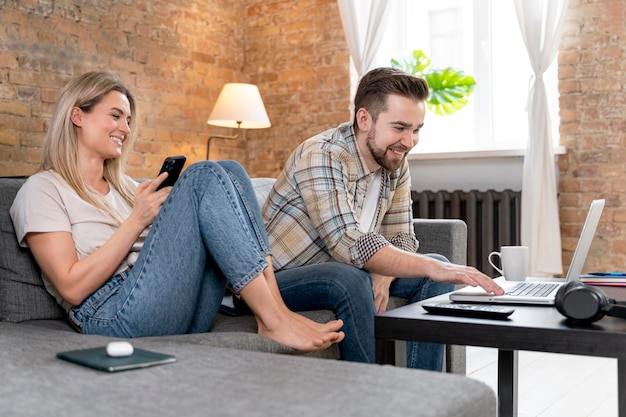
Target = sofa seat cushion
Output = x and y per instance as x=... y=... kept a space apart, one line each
x=244 y=337
x=215 y=381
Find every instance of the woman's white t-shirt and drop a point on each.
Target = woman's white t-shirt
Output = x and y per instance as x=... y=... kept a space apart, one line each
x=46 y=203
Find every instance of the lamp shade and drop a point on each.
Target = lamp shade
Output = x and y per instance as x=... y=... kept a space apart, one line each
x=239 y=106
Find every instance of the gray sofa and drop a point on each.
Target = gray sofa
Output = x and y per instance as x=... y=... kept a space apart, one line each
x=228 y=371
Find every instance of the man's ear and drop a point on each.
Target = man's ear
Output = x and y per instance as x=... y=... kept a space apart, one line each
x=76 y=116
x=363 y=119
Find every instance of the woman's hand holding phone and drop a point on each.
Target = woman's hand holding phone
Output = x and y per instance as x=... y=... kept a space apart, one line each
x=173 y=165
x=148 y=204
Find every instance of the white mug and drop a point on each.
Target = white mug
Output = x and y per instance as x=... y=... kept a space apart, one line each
x=514 y=261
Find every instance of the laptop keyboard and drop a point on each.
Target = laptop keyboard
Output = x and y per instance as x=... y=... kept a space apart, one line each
x=532 y=289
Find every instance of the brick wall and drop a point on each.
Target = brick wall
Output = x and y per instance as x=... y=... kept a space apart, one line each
x=296 y=52
x=175 y=60
x=592 y=70
x=175 y=57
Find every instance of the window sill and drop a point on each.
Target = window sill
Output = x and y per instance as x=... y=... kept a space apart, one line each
x=479 y=154
x=468 y=170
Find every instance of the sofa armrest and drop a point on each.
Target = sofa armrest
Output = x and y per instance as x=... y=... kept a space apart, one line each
x=447 y=237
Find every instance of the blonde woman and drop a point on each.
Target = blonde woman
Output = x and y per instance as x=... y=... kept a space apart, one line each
x=126 y=260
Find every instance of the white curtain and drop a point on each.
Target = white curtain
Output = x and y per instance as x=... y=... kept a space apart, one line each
x=541 y=23
x=363 y=24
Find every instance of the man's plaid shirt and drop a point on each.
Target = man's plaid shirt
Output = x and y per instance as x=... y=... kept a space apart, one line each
x=312 y=212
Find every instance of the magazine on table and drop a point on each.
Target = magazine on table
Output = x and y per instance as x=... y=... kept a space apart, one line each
x=605 y=278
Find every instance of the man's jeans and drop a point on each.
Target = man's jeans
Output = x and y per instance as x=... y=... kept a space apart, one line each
x=348 y=292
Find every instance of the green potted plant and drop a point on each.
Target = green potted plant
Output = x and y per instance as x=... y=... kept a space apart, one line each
x=449 y=88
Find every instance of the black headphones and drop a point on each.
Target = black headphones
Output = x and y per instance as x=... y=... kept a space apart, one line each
x=586 y=303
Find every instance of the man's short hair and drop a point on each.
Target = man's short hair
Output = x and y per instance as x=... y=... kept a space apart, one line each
x=379 y=83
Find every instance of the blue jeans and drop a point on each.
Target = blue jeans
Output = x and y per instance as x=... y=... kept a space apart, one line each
x=208 y=234
x=422 y=355
x=341 y=288
x=348 y=292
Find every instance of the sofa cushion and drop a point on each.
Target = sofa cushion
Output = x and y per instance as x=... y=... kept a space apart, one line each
x=210 y=381
x=262 y=187
x=22 y=294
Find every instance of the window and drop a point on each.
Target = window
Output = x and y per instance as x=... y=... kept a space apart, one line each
x=481 y=37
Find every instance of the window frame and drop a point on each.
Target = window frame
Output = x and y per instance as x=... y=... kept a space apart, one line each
x=484 y=132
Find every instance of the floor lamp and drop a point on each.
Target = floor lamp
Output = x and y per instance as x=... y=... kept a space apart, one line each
x=238 y=106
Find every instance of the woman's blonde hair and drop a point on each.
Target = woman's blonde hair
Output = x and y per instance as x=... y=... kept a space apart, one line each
x=60 y=148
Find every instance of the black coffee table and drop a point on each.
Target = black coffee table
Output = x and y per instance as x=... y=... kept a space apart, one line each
x=540 y=329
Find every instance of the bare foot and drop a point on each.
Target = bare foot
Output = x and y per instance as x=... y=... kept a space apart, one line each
x=330 y=326
x=277 y=322
x=303 y=335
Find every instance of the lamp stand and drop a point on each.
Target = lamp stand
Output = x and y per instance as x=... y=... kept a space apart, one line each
x=208 y=143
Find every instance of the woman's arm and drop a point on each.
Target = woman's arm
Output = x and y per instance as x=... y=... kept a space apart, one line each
x=75 y=279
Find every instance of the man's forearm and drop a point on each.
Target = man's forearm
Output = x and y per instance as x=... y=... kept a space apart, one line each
x=395 y=262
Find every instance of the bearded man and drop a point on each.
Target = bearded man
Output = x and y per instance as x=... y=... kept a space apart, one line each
x=344 y=196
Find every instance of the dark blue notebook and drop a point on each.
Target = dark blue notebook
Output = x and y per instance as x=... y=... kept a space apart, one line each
x=97 y=358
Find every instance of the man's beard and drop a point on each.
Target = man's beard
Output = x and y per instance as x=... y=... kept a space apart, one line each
x=380 y=155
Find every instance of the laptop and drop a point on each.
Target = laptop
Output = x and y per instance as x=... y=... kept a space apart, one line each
x=541 y=291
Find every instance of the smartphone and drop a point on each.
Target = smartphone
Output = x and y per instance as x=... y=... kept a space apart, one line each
x=173 y=165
